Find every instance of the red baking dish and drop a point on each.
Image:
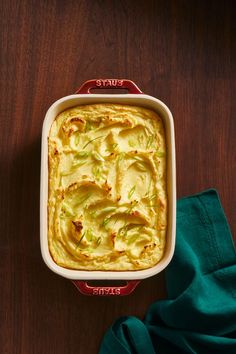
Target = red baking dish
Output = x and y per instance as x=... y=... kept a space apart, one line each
x=136 y=97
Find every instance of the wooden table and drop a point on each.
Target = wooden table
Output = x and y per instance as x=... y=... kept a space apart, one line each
x=183 y=52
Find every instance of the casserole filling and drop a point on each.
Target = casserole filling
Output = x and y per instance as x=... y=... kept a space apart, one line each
x=107 y=204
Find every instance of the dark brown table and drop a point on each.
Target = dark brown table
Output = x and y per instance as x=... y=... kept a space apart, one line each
x=183 y=52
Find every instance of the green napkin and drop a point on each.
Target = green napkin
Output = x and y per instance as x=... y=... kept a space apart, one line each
x=199 y=315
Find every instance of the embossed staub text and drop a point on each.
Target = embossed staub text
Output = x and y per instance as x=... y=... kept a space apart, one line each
x=106 y=291
x=109 y=83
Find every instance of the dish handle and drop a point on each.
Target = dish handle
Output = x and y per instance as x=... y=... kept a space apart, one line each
x=86 y=289
x=87 y=86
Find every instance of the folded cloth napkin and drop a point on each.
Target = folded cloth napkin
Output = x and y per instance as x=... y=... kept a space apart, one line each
x=199 y=315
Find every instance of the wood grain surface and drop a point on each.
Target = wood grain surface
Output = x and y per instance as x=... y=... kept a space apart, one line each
x=183 y=52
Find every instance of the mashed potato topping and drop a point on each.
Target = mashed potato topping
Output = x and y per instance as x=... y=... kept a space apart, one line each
x=107 y=206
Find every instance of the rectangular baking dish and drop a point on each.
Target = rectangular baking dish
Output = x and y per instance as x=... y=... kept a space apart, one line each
x=133 y=97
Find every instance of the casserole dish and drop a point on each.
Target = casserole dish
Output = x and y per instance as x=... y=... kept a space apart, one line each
x=135 y=97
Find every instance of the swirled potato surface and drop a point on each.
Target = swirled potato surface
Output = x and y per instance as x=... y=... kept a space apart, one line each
x=107 y=204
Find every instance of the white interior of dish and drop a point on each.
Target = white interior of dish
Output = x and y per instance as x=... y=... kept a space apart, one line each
x=133 y=99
